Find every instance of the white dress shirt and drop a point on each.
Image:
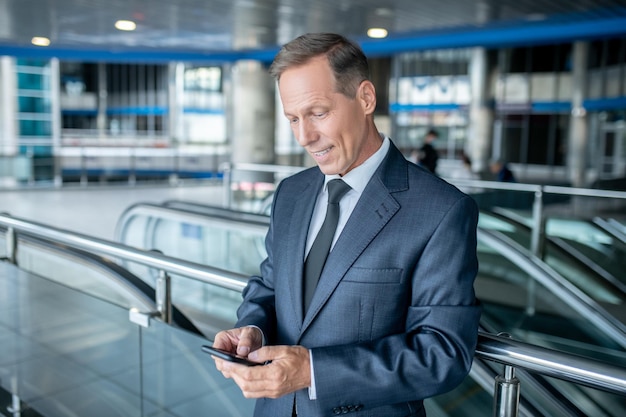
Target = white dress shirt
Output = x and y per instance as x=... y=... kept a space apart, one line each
x=357 y=179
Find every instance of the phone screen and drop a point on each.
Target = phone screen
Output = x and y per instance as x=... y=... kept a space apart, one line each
x=222 y=354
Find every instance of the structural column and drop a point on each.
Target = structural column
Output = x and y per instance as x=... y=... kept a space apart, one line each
x=479 y=141
x=101 y=120
x=578 y=136
x=55 y=120
x=8 y=94
x=480 y=112
x=252 y=113
x=176 y=92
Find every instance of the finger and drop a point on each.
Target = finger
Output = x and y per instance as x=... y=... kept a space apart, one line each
x=227 y=339
x=250 y=339
x=271 y=353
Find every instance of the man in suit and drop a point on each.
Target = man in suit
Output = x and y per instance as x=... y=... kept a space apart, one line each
x=393 y=319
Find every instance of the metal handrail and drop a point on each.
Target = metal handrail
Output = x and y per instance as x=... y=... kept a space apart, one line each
x=538 y=223
x=493 y=185
x=199 y=272
x=560 y=365
x=159 y=211
x=515 y=253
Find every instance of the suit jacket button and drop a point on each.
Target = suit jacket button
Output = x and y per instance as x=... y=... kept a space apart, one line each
x=336 y=411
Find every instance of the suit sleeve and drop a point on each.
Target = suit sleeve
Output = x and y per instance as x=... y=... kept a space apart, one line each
x=259 y=306
x=435 y=351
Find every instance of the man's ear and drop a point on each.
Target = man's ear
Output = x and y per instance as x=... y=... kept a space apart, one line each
x=367 y=96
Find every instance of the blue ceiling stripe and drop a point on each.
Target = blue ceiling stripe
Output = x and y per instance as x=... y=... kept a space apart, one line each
x=492 y=36
x=525 y=33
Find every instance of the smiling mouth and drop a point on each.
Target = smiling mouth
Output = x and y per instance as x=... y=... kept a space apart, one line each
x=322 y=152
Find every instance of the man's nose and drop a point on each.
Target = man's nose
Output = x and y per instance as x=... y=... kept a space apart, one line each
x=306 y=133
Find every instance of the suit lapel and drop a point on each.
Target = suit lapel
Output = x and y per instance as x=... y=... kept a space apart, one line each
x=374 y=209
x=296 y=235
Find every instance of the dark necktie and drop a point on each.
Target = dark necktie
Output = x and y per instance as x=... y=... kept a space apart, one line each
x=321 y=246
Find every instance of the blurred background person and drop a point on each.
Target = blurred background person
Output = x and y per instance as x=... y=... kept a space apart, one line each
x=428 y=155
x=501 y=171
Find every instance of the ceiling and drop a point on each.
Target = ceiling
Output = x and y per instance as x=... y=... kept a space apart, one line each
x=237 y=29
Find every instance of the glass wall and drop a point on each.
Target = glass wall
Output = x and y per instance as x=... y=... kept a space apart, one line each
x=35 y=115
x=136 y=120
x=431 y=90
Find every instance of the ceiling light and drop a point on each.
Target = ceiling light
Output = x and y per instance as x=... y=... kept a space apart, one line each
x=377 y=33
x=383 y=11
x=40 y=41
x=125 y=25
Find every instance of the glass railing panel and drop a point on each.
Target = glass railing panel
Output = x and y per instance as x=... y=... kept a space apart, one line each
x=468 y=399
x=64 y=352
x=211 y=308
x=3 y=244
x=135 y=232
x=229 y=245
x=217 y=243
x=86 y=276
x=182 y=380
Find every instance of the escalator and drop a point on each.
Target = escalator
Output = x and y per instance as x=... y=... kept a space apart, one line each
x=592 y=259
x=521 y=295
x=614 y=228
x=596 y=246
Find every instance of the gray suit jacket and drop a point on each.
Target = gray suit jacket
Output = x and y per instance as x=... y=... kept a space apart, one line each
x=394 y=318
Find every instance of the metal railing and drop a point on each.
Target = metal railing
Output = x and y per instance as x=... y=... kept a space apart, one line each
x=497 y=348
x=543 y=274
x=538 y=218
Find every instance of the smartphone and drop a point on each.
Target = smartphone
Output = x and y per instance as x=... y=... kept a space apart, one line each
x=231 y=357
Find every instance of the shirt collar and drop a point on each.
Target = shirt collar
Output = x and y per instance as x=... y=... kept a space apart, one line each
x=358 y=177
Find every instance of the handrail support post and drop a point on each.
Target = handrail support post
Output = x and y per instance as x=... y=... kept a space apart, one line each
x=164 y=296
x=11 y=242
x=507 y=394
x=227 y=180
x=507 y=391
x=537 y=245
x=539 y=225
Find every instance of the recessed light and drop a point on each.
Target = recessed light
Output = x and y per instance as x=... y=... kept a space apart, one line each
x=377 y=33
x=383 y=11
x=40 y=41
x=127 y=25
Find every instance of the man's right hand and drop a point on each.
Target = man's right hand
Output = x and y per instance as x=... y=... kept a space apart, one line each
x=241 y=341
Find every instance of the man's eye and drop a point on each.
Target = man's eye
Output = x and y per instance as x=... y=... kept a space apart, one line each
x=318 y=115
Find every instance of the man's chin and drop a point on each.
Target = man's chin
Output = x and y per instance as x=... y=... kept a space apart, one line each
x=328 y=169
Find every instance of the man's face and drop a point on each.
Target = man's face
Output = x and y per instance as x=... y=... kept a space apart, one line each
x=331 y=127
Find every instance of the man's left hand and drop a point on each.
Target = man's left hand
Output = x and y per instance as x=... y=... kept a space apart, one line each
x=289 y=370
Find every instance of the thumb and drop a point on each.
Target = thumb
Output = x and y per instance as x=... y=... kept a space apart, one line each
x=250 y=339
x=265 y=354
